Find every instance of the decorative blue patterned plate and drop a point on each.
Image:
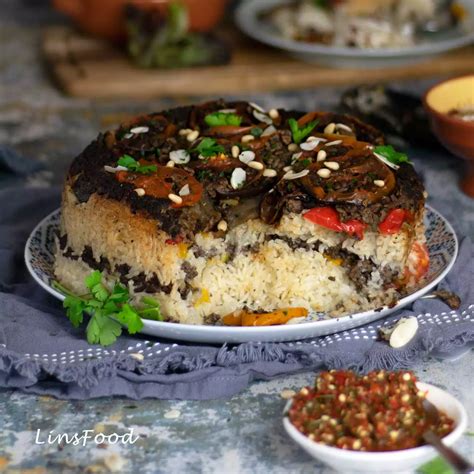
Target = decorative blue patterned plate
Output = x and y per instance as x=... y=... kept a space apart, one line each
x=442 y=245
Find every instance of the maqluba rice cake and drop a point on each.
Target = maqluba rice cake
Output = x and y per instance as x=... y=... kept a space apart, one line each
x=224 y=207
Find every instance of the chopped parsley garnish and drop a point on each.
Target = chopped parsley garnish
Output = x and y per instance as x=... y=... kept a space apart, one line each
x=133 y=165
x=201 y=175
x=208 y=147
x=109 y=310
x=305 y=162
x=256 y=131
x=222 y=118
x=392 y=155
x=321 y=4
x=299 y=134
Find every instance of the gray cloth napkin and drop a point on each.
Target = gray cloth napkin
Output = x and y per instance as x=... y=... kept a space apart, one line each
x=41 y=353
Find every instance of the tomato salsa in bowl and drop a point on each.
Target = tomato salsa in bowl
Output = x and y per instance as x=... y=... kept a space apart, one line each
x=370 y=423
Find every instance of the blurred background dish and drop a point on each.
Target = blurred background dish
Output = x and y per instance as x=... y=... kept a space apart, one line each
x=359 y=33
x=105 y=18
x=450 y=105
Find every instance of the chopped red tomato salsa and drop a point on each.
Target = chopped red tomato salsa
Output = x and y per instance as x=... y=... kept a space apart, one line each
x=329 y=218
x=380 y=411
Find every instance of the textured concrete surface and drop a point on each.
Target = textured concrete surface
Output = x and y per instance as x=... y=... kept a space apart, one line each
x=241 y=435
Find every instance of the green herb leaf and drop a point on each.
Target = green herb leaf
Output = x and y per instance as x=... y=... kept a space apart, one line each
x=109 y=310
x=436 y=466
x=129 y=317
x=75 y=307
x=133 y=165
x=388 y=152
x=299 y=134
x=208 y=147
x=222 y=118
x=256 y=131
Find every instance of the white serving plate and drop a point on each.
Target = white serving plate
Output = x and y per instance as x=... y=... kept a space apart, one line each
x=247 y=18
x=441 y=242
x=403 y=461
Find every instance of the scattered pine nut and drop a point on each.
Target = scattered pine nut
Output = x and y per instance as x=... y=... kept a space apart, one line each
x=321 y=156
x=256 y=165
x=273 y=113
x=235 y=150
x=330 y=128
x=269 y=173
x=324 y=173
x=335 y=142
x=332 y=165
x=192 y=136
x=222 y=225
x=140 y=191
x=379 y=182
x=247 y=138
x=175 y=198
x=170 y=164
x=292 y=147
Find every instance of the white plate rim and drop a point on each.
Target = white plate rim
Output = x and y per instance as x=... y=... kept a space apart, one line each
x=192 y=332
x=246 y=19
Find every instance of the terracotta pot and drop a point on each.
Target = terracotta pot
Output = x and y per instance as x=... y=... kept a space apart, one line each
x=455 y=134
x=104 y=18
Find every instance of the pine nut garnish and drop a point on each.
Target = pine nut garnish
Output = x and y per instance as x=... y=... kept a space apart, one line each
x=324 y=173
x=247 y=138
x=270 y=130
x=330 y=128
x=335 y=142
x=332 y=165
x=269 y=173
x=256 y=165
x=170 y=164
x=274 y=114
x=140 y=191
x=379 y=182
x=235 y=150
x=192 y=136
x=222 y=225
x=175 y=198
x=321 y=156
x=185 y=131
x=291 y=175
x=292 y=147
x=246 y=156
x=138 y=130
x=287 y=168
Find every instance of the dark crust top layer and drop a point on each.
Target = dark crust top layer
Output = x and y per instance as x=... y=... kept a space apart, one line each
x=267 y=197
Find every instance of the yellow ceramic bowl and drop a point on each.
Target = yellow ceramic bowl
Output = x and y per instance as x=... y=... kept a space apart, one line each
x=455 y=134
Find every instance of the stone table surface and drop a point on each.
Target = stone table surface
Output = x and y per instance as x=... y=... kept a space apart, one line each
x=243 y=434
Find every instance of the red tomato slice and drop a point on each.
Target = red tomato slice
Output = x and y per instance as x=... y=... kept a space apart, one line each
x=393 y=222
x=329 y=218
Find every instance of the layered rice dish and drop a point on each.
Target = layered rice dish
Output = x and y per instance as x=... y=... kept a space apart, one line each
x=224 y=209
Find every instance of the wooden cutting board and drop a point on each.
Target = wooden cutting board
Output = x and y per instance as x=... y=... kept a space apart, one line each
x=87 y=67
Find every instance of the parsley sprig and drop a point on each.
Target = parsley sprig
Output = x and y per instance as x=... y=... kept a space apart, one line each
x=109 y=310
x=300 y=133
x=222 y=118
x=392 y=155
x=133 y=165
x=208 y=147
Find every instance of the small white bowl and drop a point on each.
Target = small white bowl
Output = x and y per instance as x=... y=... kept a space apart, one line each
x=403 y=461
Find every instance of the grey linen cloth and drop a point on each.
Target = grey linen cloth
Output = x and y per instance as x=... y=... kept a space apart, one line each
x=41 y=353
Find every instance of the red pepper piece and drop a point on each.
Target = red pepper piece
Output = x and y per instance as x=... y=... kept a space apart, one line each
x=329 y=218
x=393 y=222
